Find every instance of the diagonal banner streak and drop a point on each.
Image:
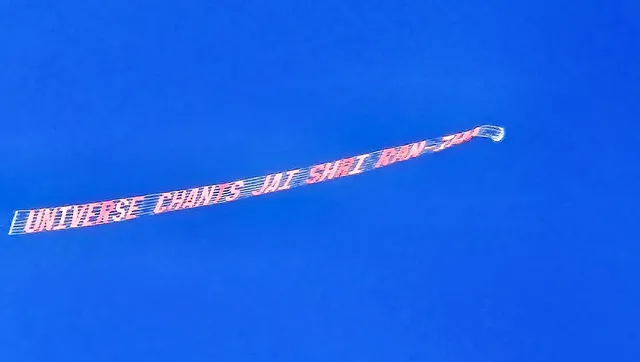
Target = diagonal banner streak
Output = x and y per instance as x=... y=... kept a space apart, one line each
x=112 y=211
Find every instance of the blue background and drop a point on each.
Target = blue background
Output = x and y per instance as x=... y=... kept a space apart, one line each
x=524 y=250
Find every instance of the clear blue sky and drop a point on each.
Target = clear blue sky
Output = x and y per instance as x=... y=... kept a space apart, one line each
x=520 y=251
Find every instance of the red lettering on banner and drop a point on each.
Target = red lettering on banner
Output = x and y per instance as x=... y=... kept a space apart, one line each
x=120 y=204
x=206 y=195
x=386 y=157
x=47 y=217
x=270 y=184
x=358 y=168
x=416 y=149
x=337 y=169
x=196 y=197
x=133 y=207
x=275 y=183
x=468 y=135
x=221 y=189
x=90 y=213
x=457 y=139
x=235 y=190
x=265 y=185
x=403 y=153
x=33 y=221
x=330 y=170
x=105 y=212
x=314 y=174
x=191 y=199
x=446 y=142
x=58 y=218
x=287 y=183
x=160 y=208
x=78 y=213
x=63 y=216
x=178 y=200
x=391 y=155
x=344 y=166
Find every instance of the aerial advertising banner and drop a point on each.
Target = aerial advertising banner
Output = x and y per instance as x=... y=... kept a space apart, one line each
x=128 y=208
